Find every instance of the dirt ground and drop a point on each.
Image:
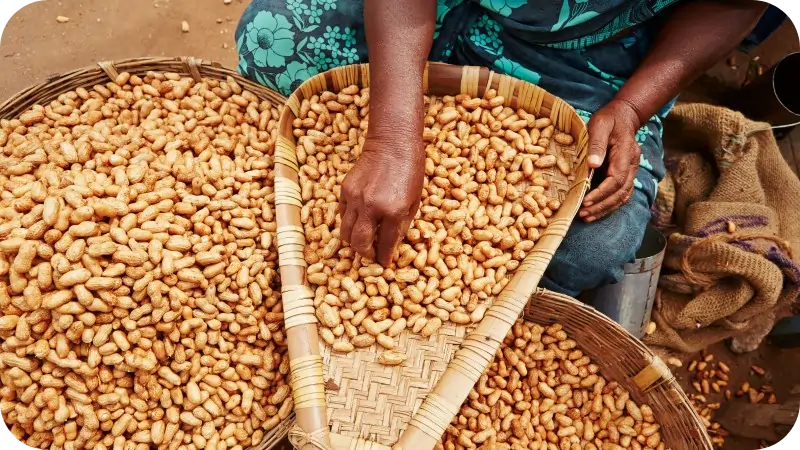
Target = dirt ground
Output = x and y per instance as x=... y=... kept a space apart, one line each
x=781 y=375
x=34 y=45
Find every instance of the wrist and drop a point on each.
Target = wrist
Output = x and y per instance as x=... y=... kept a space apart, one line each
x=628 y=111
x=396 y=139
x=396 y=118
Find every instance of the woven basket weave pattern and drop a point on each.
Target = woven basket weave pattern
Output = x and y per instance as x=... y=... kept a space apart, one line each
x=370 y=405
x=106 y=71
x=375 y=402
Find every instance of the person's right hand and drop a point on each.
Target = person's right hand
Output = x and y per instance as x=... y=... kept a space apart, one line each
x=381 y=194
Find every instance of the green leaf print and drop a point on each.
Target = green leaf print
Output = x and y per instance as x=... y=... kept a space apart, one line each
x=302 y=44
x=306 y=57
x=580 y=18
x=298 y=21
x=240 y=43
x=242 y=67
x=502 y=7
x=514 y=69
x=264 y=80
x=562 y=17
x=570 y=17
x=615 y=82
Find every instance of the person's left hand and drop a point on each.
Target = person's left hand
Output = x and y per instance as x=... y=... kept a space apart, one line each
x=612 y=131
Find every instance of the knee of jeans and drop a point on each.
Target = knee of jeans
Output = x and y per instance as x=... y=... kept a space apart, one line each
x=594 y=254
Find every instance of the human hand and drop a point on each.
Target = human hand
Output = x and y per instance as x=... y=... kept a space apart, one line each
x=612 y=131
x=381 y=194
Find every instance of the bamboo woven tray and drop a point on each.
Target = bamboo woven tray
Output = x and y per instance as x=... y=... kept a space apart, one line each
x=628 y=361
x=106 y=71
x=365 y=404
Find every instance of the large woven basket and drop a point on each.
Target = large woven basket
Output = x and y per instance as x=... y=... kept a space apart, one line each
x=106 y=71
x=629 y=362
x=365 y=404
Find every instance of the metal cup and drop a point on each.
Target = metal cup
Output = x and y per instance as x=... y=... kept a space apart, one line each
x=630 y=302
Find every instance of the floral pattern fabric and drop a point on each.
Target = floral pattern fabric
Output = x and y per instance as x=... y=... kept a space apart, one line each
x=563 y=49
x=281 y=43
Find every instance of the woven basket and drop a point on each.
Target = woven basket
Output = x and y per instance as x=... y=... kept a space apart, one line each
x=628 y=361
x=106 y=71
x=365 y=404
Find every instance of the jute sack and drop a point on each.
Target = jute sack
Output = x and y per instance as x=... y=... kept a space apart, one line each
x=732 y=269
x=664 y=205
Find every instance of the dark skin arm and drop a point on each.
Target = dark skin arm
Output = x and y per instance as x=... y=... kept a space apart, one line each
x=381 y=194
x=696 y=36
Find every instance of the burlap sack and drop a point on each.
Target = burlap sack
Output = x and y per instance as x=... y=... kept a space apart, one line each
x=719 y=284
x=664 y=205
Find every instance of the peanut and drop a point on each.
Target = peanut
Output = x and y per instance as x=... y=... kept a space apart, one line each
x=516 y=411
x=392 y=357
x=483 y=208
x=139 y=292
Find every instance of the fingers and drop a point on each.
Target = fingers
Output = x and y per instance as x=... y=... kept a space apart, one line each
x=600 y=127
x=610 y=204
x=614 y=191
x=390 y=233
x=349 y=216
x=363 y=237
x=621 y=162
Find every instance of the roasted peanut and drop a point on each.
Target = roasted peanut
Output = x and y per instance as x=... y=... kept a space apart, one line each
x=575 y=414
x=483 y=208
x=139 y=297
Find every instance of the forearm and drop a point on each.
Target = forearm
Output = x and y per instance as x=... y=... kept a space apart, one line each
x=399 y=38
x=697 y=35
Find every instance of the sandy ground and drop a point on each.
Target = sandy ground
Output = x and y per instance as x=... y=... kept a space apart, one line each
x=34 y=45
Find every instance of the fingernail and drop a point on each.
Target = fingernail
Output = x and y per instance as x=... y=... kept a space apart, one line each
x=590 y=219
x=588 y=203
x=595 y=160
x=583 y=213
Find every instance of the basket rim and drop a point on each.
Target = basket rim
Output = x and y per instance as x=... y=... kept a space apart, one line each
x=108 y=70
x=312 y=423
x=653 y=377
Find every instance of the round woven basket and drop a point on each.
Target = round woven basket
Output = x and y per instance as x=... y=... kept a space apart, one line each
x=106 y=71
x=626 y=360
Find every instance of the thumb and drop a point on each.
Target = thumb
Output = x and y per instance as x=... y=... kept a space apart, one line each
x=600 y=127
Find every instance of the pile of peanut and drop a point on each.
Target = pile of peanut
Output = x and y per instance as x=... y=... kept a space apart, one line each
x=139 y=290
x=484 y=205
x=542 y=393
x=712 y=381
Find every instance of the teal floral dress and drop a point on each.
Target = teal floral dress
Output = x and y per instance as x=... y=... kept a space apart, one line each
x=579 y=50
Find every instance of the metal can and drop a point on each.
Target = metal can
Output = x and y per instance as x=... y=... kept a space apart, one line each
x=630 y=302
